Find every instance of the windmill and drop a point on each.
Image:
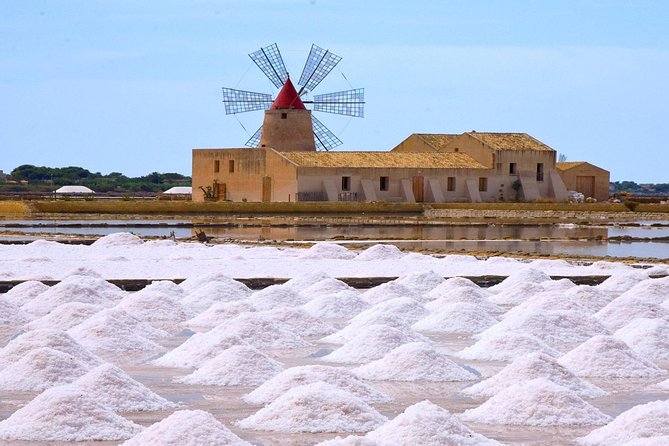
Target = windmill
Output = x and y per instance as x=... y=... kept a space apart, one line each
x=288 y=124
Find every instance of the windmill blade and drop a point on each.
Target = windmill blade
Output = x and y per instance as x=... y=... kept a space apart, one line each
x=318 y=65
x=254 y=141
x=323 y=137
x=270 y=62
x=349 y=102
x=239 y=101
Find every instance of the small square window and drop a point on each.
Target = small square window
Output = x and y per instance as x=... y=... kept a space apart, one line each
x=345 y=183
x=231 y=166
x=540 y=171
x=284 y=115
x=383 y=183
x=483 y=184
x=512 y=169
x=450 y=184
x=217 y=166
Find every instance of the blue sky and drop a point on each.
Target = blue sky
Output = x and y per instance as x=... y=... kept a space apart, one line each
x=132 y=86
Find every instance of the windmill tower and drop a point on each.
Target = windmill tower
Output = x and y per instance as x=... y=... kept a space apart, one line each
x=288 y=124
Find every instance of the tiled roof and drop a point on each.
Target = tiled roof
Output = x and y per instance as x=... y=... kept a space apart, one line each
x=437 y=140
x=510 y=141
x=566 y=165
x=377 y=160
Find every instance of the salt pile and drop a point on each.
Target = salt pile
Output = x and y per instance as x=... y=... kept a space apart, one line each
x=325 y=286
x=316 y=407
x=344 y=304
x=642 y=421
x=73 y=289
x=304 y=280
x=112 y=387
x=214 y=292
x=55 y=339
x=460 y=317
x=582 y=298
x=380 y=252
x=219 y=312
x=118 y=317
x=308 y=374
x=415 y=361
x=261 y=331
x=351 y=440
x=619 y=282
x=372 y=343
x=474 y=296
x=156 y=307
x=608 y=357
x=559 y=285
x=516 y=293
x=187 y=428
x=65 y=414
x=117 y=239
x=65 y=316
x=556 y=328
x=427 y=424
x=647 y=337
x=275 y=296
x=625 y=308
x=194 y=282
x=539 y=402
x=506 y=346
x=198 y=349
x=652 y=441
x=299 y=321
x=529 y=367
x=11 y=315
x=82 y=271
x=421 y=282
x=237 y=366
x=524 y=275
x=24 y=292
x=388 y=291
x=40 y=369
x=327 y=251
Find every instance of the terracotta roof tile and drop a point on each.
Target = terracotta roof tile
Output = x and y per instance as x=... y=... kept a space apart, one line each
x=376 y=160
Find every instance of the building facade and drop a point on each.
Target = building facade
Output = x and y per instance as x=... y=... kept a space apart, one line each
x=586 y=178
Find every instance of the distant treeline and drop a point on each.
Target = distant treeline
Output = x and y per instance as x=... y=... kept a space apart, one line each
x=29 y=178
x=640 y=189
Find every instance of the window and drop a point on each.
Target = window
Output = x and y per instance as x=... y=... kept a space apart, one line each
x=483 y=184
x=456 y=149
x=512 y=169
x=383 y=183
x=217 y=166
x=450 y=184
x=345 y=183
x=284 y=115
x=231 y=166
x=540 y=171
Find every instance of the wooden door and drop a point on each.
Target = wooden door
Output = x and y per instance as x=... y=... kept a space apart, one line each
x=266 y=188
x=586 y=185
x=419 y=189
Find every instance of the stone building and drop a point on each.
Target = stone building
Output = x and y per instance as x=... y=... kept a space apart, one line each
x=586 y=178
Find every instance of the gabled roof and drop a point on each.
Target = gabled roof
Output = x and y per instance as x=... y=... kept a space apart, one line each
x=510 y=141
x=566 y=165
x=438 y=141
x=73 y=190
x=379 y=160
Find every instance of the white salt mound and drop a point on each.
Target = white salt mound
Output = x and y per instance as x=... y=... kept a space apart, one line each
x=116 y=316
x=82 y=271
x=427 y=424
x=327 y=251
x=388 y=291
x=113 y=388
x=219 y=312
x=608 y=357
x=117 y=239
x=524 y=275
x=40 y=369
x=372 y=343
x=647 y=337
x=187 y=428
x=516 y=293
x=65 y=414
x=24 y=292
x=474 y=296
x=351 y=440
x=65 y=316
x=316 y=407
x=415 y=361
x=642 y=421
x=380 y=252
x=198 y=349
x=237 y=366
x=261 y=331
x=215 y=292
x=158 y=309
x=343 y=304
x=275 y=296
x=83 y=289
x=194 y=282
x=324 y=286
x=421 y=282
x=308 y=374
x=621 y=281
x=459 y=317
x=304 y=280
x=11 y=315
x=539 y=402
x=107 y=334
x=299 y=321
x=529 y=367
x=651 y=441
x=55 y=339
x=506 y=346
x=579 y=298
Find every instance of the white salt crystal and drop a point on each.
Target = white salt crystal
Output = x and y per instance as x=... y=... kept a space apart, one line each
x=316 y=407
x=523 y=275
x=65 y=414
x=372 y=343
x=275 y=296
x=82 y=271
x=325 y=286
x=24 y=292
x=65 y=316
x=343 y=304
x=187 y=428
x=529 y=367
x=156 y=308
x=11 y=315
x=463 y=294
x=215 y=292
x=380 y=252
x=237 y=366
x=166 y=287
x=558 y=285
x=298 y=376
x=388 y=291
x=539 y=402
x=219 y=312
x=427 y=424
x=619 y=282
x=117 y=239
x=647 y=337
x=327 y=251
x=40 y=369
x=83 y=289
x=303 y=280
x=351 y=440
x=516 y=293
x=421 y=282
x=415 y=361
x=641 y=421
x=662 y=440
x=113 y=388
x=506 y=346
x=117 y=317
x=630 y=306
x=459 y=317
x=299 y=321
x=607 y=356
x=194 y=282
x=198 y=349
x=261 y=331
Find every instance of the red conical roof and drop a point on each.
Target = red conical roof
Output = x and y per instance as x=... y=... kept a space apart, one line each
x=287 y=98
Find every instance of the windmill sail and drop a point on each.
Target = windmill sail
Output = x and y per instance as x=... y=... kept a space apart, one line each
x=319 y=64
x=239 y=101
x=323 y=137
x=348 y=103
x=270 y=62
x=254 y=141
